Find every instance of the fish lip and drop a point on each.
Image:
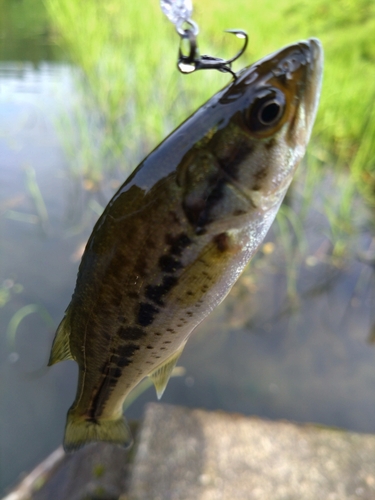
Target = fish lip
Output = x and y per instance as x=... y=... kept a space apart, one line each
x=313 y=50
x=318 y=57
x=309 y=55
x=316 y=49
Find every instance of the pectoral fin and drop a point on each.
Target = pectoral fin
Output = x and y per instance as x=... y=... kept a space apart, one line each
x=60 y=347
x=162 y=374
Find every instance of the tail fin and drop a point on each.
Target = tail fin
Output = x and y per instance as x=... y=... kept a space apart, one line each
x=80 y=431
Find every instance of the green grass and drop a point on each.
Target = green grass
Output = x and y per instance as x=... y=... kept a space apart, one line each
x=25 y=30
x=27 y=17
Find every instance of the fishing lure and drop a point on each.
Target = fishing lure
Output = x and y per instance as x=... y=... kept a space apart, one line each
x=179 y=12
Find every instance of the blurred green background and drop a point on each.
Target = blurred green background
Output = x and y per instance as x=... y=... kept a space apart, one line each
x=87 y=89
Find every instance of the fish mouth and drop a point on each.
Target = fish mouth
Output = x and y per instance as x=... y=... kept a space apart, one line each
x=313 y=51
x=298 y=69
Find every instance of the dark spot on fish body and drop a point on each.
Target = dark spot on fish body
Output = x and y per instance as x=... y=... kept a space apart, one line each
x=231 y=160
x=156 y=293
x=260 y=174
x=169 y=282
x=115 y=372
x=270 y=144
x=222 y=242
x=146 y=314
x=126 y=352
x=178 y=243
x=169 y=264
x=131 y=333
x=121 y=362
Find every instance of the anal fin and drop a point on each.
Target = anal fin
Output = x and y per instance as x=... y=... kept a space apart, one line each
x=61 y=346
x=160 y=377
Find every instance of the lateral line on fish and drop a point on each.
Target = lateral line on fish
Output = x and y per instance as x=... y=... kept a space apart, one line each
x=95 y=407
x=78 y=399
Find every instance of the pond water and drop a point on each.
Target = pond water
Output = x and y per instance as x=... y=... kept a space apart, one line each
x=310 y=359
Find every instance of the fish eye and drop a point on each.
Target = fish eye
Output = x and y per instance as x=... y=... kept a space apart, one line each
x=266 y=110
x=269 y=112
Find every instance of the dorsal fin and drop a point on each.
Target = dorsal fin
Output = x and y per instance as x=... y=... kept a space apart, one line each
x=60 y=347
x=160 y=377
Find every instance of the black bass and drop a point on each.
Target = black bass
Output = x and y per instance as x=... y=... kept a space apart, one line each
x=178 y=233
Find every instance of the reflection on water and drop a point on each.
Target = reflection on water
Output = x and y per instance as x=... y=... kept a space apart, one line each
x=259 y=353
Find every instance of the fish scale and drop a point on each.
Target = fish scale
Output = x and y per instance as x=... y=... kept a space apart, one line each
x=177 y=234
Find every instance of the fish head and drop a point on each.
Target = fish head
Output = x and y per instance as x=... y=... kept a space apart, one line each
x=280 y=96
x=261 y=127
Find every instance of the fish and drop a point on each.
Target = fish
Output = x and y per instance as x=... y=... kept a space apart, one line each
x=178 y=233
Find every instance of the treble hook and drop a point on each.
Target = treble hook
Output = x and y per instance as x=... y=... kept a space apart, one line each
x=194 y=62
